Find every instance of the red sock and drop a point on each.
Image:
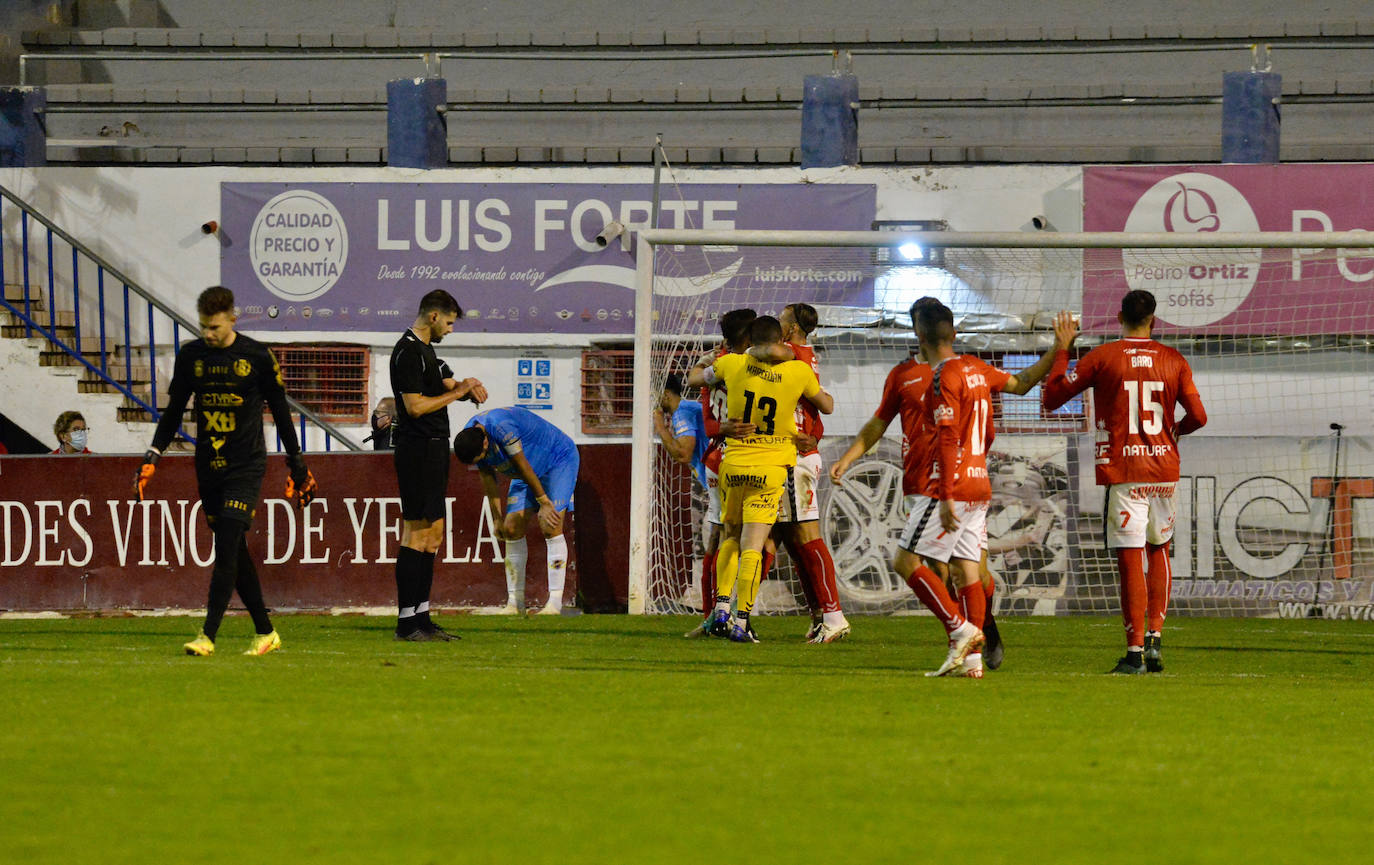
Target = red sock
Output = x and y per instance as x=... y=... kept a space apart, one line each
x=989 y=588
x=806 y=574
x=823 y=565
x=973 y=604
x=932 y=592
x=708 y=583
x=1158 y=583
x=1130 y=562
x=767 y=565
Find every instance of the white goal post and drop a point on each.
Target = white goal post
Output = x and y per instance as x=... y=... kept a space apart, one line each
x=1284 y=372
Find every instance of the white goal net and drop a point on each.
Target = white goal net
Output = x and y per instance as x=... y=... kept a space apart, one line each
x=1271 y=516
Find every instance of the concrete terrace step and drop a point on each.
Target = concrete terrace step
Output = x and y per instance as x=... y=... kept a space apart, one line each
x=597 y=98
x=400 y=39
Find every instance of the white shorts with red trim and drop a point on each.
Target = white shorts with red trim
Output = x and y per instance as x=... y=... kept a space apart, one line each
x=799 y=503
x=1140 y=513
x=924 y=535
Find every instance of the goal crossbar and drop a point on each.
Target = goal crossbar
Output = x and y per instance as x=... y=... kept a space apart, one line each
x=1016 y=239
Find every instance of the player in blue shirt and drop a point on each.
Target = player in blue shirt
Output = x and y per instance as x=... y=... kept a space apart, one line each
x=681 y=426
x=542 y=462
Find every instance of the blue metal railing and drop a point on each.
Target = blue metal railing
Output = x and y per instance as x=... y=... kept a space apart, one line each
x=101 y=367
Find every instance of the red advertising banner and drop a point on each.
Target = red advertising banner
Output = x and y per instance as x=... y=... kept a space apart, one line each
x=1240 y=291
x=74 y=537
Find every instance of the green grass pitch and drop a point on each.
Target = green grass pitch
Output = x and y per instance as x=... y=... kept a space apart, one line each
x=612 y=739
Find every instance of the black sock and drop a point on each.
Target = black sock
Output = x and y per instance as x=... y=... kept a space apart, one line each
x=228 y=536
x=423 y=584
x=249 y=588
x=407 y=566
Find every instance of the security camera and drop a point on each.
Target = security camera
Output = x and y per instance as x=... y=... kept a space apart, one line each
x=1041 y=223
x=609 y=233
x=209 y=227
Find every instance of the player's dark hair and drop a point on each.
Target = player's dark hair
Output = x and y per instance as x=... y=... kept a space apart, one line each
x=214 y=300
x=765 y=329
x=468 y=444
x=805 y=315
x=934 y=323
x=920 y=302
x=734 y=325
x=674 y=383
x=440 y=301
x=1136 y=307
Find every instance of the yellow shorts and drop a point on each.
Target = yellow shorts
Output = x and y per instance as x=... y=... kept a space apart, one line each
x=751 y=493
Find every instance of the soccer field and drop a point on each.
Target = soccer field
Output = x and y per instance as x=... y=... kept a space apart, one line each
x=612 y=739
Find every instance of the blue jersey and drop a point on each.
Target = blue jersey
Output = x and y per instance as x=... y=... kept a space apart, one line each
x=517 y=430
x=688 y=420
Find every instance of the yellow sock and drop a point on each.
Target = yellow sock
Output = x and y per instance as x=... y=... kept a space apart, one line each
x=727 y=567
x=750 y=571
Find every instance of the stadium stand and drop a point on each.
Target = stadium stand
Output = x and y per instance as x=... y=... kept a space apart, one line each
x=1054 y=87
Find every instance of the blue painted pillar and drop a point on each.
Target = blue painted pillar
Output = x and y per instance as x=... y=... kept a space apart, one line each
x=830 y=120
x=416 y=128
x=23 y=137
x=1250 y=116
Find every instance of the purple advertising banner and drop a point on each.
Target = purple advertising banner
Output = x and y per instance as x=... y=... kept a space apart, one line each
x=519 y=257
x=1241 y=291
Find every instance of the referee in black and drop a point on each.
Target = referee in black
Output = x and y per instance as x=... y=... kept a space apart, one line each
x=231 y=375
x=423 y=386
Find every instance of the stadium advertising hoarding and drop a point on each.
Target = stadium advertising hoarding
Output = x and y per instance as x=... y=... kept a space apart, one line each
x=1246 y=291
x=520 y=257
x=75 y=538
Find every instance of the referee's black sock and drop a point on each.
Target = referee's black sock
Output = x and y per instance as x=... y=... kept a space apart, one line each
x=424 y=582
x=408 y=564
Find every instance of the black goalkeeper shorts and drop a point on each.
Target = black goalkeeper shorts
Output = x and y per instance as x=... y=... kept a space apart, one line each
x=422 y=474
x=231 y=498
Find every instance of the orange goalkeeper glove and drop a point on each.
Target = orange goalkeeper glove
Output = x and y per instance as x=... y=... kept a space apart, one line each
x=300 y=482
x=145 y=472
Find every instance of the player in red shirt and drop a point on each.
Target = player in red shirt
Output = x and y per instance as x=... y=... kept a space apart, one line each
x=909 y=392
x=1137 y=383
x=952 y=525
x=799 y=510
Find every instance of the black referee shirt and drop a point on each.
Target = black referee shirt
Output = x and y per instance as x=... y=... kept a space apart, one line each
x=416 y=369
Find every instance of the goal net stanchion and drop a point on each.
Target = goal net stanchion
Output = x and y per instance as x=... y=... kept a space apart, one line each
x=1273 y=324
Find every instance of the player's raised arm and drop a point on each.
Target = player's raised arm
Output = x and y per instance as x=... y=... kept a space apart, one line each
x=863 y=442
x=1065 y=332
x=679 y=448
x=777 y=352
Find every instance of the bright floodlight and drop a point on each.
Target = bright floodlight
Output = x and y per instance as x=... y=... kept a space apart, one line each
x=910 y=251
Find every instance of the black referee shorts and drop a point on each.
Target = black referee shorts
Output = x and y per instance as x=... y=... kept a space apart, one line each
x=422 y=474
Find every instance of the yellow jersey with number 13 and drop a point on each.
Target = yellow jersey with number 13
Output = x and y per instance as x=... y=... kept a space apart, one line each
x=765 y=396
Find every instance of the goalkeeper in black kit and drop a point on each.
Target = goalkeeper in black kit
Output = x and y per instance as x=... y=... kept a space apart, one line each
x=231 y=375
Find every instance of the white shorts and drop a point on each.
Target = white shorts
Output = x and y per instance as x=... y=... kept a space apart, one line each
x=925 y=536
x=1138 y=514
x=799 y=502
x=712 y=497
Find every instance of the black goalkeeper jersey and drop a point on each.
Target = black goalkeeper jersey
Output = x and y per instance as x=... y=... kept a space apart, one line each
x=230 y=386
x=415 y=368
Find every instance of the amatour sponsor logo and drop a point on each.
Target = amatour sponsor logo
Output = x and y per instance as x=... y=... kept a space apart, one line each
x=1193 y=286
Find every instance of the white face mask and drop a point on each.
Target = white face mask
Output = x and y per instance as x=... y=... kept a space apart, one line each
x=78 y=437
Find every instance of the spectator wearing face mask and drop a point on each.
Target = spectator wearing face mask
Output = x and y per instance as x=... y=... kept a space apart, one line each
x=382 y=417
x=72 y=434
